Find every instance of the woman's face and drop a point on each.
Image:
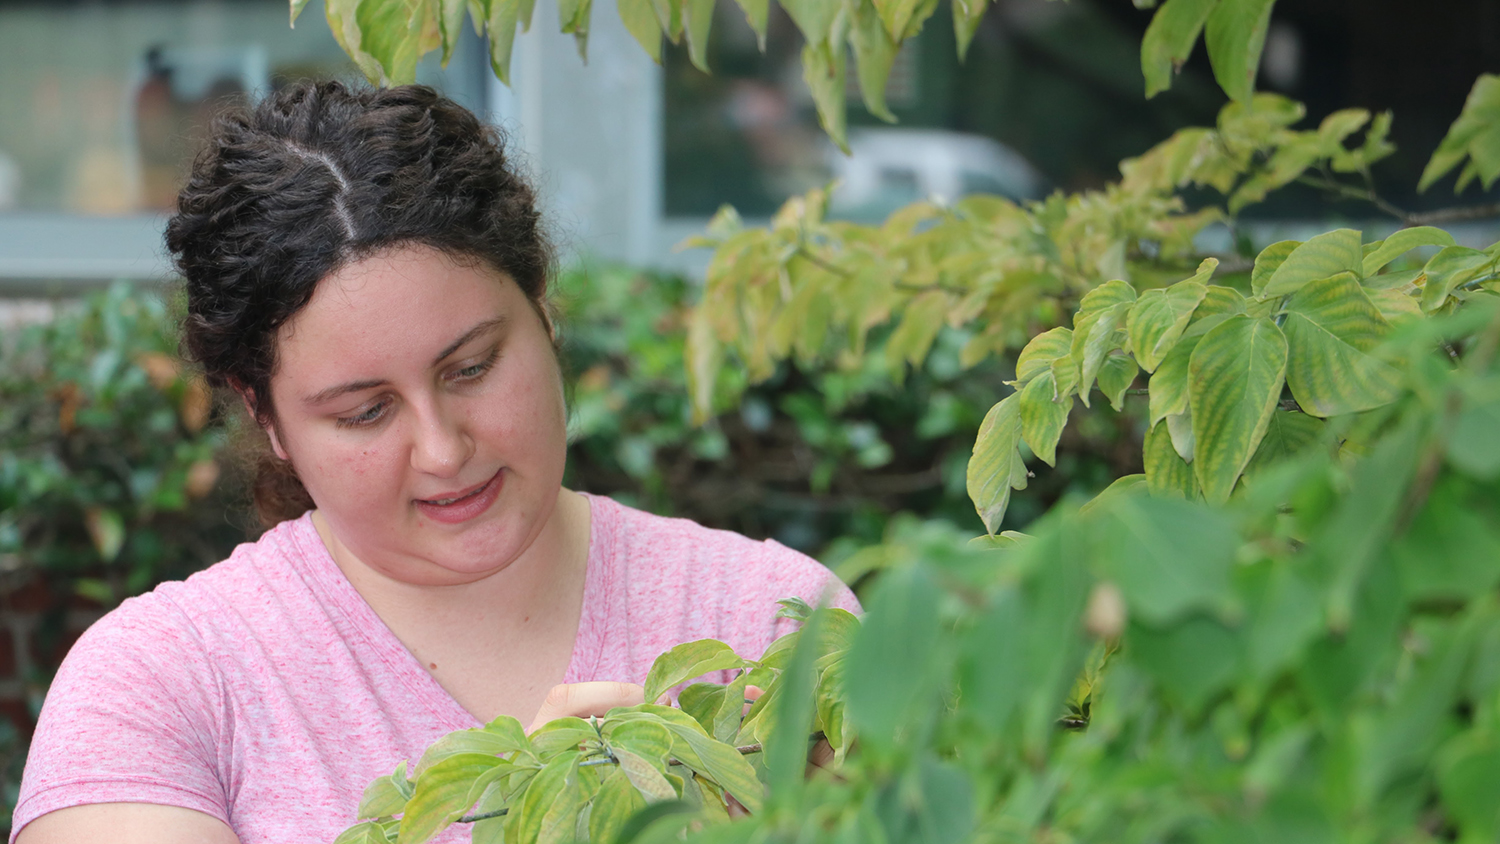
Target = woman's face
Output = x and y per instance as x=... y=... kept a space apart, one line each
x=420 y=401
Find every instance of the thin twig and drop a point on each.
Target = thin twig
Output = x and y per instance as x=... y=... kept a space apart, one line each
x=482 y=816
x=1453 y=215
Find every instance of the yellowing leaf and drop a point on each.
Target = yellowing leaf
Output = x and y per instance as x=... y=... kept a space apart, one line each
x=1288 y=433
x=442 y=794
x=1331 y=327
x=504 y=16
x=639 y=17
x=1402 y=242
x=1449 y=269
x=618 y=799
x=551 y=785
x=648 y=779
x=1101 y=313
x=385 y=796
x=1326 y=255
x=450 y=20
x=1115 y=377
x=1167 y=474
x=1042 y=418
x=1169 y=40
x=1235 y=379
x=996 y=462
x=1159 y=318
x=1038 y=355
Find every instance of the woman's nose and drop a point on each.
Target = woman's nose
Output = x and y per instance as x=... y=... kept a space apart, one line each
x=441 y=446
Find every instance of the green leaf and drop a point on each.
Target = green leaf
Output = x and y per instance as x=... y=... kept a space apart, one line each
x=756 y=14
x=1235 y=379
x=912 y=340
x=823 y=68
x=551 y=786
x=503 y=735
x=1288 y=433
x=385 y=796
x=1192 y=660
x=874 y=54
x=995 y=468
x=1331 y=327
x=966 y=17
x=696 y=749
x=1116 y=376
x=565 y=733
x=897 y=15
x=1042 y=418
x=900 y=638
x=1167 y=474
x=1168 y=556
x=1159 y=318
x=368 y=832
x=1268 y=261
x=1038 y=355
x=815 y=19
x=1326 y=255
x=1449 y=269
x=648 y=739
x=1402 y=242
x=1468 y=781
x=442 y=794
x=686 y=661
x=504 y=16
x=1096 y=329
x=639 y=17
x=1169 y=40
x=697 y=17
x=1235 y=36
x=649 y=779
x=296 y=10
x=618 y=799
x=1481 y=111
x=390 y=34
x=450 y=24
x=1472 y=446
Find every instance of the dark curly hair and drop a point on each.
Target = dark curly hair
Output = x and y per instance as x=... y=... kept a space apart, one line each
x=317 y=176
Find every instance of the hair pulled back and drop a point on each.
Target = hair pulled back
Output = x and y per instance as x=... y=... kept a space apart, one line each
x=318 y=176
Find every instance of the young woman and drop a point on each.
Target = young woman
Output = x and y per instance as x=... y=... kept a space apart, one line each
x=367 y=273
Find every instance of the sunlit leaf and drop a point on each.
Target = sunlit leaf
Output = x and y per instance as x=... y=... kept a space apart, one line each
x=1167 y=474
x=1042 y=417
x=1325 y=255
x=442 y=794
x=1331 y=327
x=996 y=463
x=1159 y=318
x=1400 y=243
x=686 y=661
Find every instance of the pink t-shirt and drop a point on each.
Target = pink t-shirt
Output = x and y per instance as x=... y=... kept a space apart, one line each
x=264 y=691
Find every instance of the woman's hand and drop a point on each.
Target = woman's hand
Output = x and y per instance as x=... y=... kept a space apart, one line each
x=581 y=700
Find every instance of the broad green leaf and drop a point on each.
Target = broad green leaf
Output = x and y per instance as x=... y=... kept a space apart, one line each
x=450 y=24
x=504 y=16
x=386 y=795
x=1235 y=379
x=1468 y=780
x=1169 y=40
x=900 y=638
x=697 y=17
x=639 y=17
x=701 y=700
x=368 y=832
x=1116 y=376
x=551 y=786
x=565 y=733
x=696 y=749
x=686 y=661
x=1168 y=387
x=1168 y=556
x=874 y=54
x=1042 y=418
x=1473 y=446
x=503 y=735
x=1288 y=433
x=649 y=740
x=815 y=19
x=1235 y=35
x=1038 y=355
x=830 y=705
x=1331 y=327
x=1449 y=269
x=1167 y=474
x=618 y=799
x=1326 y=255
x=1097 y=329
x=995 y=468
x=1159 y=318
x=391 y=35
x=1219 y=301
x=756 y=14
x=1402 y=242
x=1481 y=111
x=1192 y=660
x=1267 y=262
x=823 y=68
x=725 y=724
x=966 y=17
x=649 y=779
x=443 y=794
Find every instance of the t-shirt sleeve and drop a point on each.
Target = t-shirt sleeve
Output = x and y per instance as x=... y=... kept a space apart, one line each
x=785 y=573
x=132 y=717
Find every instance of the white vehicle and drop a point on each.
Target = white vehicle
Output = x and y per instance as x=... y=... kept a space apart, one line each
x=892 y=167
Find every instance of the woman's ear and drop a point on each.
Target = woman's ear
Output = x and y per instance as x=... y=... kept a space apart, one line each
x=247 y=395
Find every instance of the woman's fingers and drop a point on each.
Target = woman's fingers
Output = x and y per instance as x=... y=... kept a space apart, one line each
x=584 y=699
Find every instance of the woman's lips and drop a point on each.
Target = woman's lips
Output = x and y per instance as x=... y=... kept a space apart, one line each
x=466 y=506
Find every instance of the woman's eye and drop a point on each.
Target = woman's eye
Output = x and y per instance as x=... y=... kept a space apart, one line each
x=368 y=417
x=476 y=371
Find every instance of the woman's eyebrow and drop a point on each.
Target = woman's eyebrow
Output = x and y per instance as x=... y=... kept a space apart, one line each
x=355 y=386
x=469 y=335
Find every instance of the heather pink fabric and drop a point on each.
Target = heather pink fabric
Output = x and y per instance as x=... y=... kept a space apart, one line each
x=264 y=691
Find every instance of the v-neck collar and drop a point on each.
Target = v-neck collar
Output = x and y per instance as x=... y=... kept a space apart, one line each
x=332 y=588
